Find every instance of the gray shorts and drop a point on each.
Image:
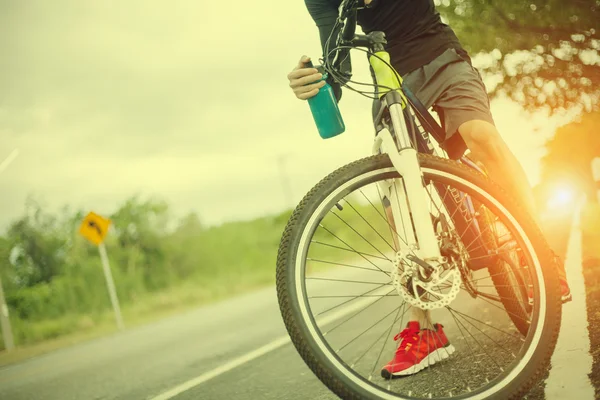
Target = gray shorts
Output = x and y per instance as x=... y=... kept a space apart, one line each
x=455 y=90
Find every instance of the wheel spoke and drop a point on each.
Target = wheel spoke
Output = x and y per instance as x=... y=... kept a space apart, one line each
x=504 y=309
x=489 y=337
x=388 y=334
x=352 y=299
x=350 y=247
x=392 y=228
x=401 y=216
x=342 y=265
x=484 y=323
x=348 y=281
x=354 y=315
x=371 y=226
x=350 y=250
x=356 y=361
x=366 y=330
x=360 y=235
x=482 y=347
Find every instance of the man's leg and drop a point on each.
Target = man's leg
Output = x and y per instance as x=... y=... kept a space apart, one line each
x=423 y=317
x=418 y=339
x=488 y=147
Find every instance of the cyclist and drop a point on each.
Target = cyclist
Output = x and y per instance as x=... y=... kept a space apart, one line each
x=436 y=68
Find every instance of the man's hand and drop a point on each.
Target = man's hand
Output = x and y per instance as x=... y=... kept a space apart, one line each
x=367 y=2
x=302 y=78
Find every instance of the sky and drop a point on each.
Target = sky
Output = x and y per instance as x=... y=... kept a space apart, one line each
x=187 y=101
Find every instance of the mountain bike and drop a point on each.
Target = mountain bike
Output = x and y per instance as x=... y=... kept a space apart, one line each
x=409 y=227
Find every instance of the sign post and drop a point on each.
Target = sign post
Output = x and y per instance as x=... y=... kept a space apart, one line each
x=94 y=228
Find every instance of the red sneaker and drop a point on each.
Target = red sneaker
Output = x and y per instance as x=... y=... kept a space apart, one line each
x=565 y=292
x=418 y=349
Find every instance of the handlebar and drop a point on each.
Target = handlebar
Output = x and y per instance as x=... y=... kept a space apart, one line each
x=348 y=18
x=348 y=39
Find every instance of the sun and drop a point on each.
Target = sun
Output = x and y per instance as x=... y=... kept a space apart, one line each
x=561 y=197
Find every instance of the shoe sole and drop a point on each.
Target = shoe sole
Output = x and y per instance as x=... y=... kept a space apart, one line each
x=564 y=299
x=436 y=356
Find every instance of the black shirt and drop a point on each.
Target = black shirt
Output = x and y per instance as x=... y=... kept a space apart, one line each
x=414 y=30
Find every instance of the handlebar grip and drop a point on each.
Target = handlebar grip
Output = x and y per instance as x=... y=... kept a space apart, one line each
x=347 y=35
x=350 y=27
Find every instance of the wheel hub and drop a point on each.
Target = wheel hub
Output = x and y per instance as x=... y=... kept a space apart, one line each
x=440 y=289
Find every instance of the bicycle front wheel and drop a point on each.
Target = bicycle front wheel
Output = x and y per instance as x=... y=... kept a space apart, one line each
x=342 y=306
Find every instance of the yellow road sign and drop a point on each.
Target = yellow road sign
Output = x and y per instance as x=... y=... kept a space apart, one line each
x=94 y=228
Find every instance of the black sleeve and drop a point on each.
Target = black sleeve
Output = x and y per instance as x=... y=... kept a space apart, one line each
x=325 y=13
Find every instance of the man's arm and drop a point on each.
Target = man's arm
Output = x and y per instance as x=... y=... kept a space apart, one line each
x=325 y=13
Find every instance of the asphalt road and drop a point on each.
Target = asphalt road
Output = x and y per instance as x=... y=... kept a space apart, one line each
x=146 y=362
x=143 y=362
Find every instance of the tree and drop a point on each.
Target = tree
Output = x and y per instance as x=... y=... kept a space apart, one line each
x=186 y=246
x=570 y=154
x=37 y=244
x=140 y=227
x=545 y=52
x=189 y=225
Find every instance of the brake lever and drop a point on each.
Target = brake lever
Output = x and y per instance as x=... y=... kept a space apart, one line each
x=361 y=4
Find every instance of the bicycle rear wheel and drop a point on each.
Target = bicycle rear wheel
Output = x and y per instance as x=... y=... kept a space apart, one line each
x=508 y=271
x=341 y=307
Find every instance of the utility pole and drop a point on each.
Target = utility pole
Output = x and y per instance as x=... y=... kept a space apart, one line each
x=9 y=343
x=285 y=182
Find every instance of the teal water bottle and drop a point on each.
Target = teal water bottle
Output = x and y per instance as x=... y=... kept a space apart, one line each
x=325 y=110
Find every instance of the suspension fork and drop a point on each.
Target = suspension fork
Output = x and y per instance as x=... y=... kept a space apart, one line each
x=409 y=197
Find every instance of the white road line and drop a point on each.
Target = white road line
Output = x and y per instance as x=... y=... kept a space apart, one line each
x=223 y=368
x=571 y=361
x=274 y=345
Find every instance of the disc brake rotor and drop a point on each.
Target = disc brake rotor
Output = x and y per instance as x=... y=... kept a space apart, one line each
x=439 y=291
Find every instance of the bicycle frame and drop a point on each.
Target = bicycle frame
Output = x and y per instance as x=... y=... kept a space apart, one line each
x=402 y=153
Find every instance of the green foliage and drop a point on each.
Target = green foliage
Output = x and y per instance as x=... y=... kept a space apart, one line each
x=38 y=246
x=546 y=51
x=54 y=283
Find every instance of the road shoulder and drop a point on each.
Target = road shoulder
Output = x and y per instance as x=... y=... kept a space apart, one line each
x=571 y=361
x=591 y=271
